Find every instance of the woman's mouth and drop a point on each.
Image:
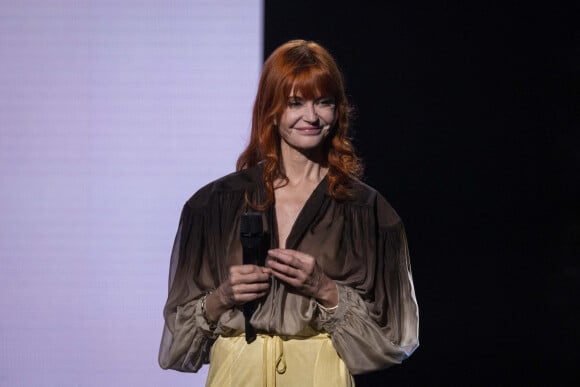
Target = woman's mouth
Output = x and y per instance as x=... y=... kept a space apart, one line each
x=309 y=130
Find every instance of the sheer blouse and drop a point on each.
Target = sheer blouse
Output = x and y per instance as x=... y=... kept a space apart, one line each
x=359 y=243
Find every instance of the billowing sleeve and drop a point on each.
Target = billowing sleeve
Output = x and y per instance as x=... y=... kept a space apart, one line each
x=377 y=326
x=187 y=338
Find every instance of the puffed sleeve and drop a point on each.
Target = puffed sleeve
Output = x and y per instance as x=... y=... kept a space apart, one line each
x=187 y=338
x=377 y=327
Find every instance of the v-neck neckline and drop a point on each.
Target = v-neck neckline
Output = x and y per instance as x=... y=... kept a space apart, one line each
x=305 y=216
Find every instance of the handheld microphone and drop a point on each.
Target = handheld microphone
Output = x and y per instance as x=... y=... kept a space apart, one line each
x=254 y=253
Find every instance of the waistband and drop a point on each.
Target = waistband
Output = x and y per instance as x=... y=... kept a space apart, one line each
x=273 y=353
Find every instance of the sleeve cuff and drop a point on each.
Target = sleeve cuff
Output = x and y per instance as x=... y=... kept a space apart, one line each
x=208 y=328
x=330 y=317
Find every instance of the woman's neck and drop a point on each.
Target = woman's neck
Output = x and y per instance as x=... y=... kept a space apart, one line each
x=303 y=166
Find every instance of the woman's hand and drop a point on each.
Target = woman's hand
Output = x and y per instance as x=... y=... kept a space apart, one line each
x=245 y=283
x=301 y=271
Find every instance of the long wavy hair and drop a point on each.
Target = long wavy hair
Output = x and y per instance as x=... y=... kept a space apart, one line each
x=308 y=68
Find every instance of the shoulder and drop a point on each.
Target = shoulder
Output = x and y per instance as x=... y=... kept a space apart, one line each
x=367 y=196
x=231 y=185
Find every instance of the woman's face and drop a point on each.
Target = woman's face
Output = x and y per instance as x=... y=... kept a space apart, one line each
x=305 y=123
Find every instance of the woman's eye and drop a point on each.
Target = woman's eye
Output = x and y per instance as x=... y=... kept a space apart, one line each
x=326 y=102
x=294 y=103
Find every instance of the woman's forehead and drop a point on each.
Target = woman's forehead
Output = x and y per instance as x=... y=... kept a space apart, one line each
x=305 y=92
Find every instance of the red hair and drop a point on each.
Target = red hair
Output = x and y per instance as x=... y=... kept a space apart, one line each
x=307 y=68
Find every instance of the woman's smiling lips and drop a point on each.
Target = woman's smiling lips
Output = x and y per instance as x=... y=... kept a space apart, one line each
x=309 y=130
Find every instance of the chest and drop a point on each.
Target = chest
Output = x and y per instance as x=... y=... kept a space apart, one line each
x=289 y=204
x=341 y=239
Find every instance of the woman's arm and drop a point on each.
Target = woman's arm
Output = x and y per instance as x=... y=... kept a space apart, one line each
x=369 y=333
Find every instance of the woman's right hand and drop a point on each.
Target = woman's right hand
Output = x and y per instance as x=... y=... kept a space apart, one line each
x=245 y=283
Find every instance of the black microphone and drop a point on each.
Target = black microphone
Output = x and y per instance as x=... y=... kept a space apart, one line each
x=253 y=243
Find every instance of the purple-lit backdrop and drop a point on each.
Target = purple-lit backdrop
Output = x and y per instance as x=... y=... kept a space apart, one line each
x=112 y=113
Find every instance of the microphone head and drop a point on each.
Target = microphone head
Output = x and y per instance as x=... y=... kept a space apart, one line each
x=251 y=223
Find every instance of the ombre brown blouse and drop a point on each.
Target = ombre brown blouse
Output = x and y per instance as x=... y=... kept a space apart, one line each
x=359 y=243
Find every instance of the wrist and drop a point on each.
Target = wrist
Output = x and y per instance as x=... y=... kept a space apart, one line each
x=211 y=322
x=327 y=297
x=214 y=307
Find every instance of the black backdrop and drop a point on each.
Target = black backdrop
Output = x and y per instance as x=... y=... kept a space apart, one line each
x=465 y=117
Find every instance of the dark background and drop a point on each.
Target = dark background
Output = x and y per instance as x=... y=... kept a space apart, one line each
x=466 y=120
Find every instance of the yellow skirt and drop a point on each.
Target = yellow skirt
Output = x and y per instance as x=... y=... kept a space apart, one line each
x=273 y=361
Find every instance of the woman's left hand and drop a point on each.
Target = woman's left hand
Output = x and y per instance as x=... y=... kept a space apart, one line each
x=300 y=270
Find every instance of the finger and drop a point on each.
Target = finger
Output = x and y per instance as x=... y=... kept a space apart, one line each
x=296 y=259
x=287 y=259
x=245 y=293
x=239 y=271
x=297 y=284
x=250 y=288
x=245 y=269
x=287 y=270
x=292 y=253
x=267 y=271
x=253 y=278
x=282 y=255
x=287 y=279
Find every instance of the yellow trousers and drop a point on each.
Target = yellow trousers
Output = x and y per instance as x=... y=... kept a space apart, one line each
x=273 y=361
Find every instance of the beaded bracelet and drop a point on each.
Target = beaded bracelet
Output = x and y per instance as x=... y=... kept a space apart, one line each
x=212 y=324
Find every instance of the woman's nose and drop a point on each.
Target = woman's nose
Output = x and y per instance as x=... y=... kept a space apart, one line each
x=310 y=114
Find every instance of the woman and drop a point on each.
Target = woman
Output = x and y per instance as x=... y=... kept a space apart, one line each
x=335 y=297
